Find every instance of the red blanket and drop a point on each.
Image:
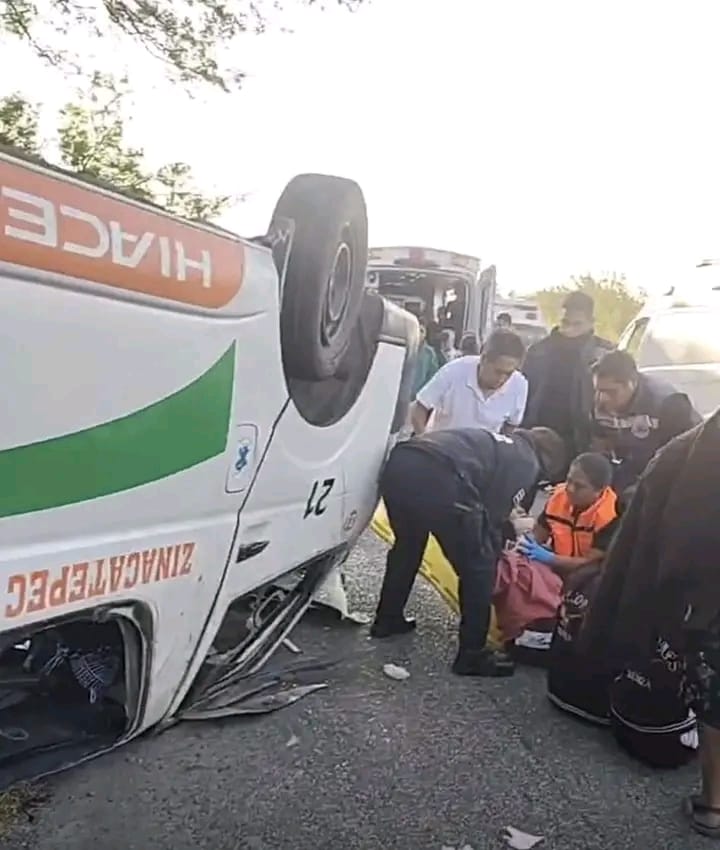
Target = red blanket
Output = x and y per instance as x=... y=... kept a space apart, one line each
x=525 y=591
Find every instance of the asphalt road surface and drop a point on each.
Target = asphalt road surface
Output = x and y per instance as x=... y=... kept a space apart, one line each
x=431 y=762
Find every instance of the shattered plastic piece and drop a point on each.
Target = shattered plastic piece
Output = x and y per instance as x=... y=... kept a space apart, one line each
x=520 y=840
x=293 y=741
x=259 y=704
x=331 y=592
x=358 y=617
x=293 y=647
x=394 y=671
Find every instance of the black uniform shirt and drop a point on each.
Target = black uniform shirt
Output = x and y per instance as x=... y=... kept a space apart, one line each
x=497 y=471
x=656 y=414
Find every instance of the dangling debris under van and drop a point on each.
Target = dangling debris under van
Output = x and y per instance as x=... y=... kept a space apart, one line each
x=68 y=691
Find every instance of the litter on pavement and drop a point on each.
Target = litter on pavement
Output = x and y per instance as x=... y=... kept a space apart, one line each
x=520 y=840
x=394 y=671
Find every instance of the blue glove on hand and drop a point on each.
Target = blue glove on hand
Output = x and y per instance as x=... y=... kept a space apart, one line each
x=531 y=549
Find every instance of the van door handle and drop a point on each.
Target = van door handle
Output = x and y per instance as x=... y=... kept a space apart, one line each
x=249 y=550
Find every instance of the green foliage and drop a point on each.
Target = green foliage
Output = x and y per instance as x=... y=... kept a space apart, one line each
x=615 y=303
x=189 y=37
x=19 y=124
x=90 y=140
x=173 y=189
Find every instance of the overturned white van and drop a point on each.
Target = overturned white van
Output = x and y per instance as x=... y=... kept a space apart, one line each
x=189 y=418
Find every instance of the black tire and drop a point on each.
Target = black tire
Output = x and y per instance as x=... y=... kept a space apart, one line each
x=325 y=277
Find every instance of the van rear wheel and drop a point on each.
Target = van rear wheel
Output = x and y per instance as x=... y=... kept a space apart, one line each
x=325 y=276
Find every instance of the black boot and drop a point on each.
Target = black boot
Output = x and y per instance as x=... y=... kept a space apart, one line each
x=483 y=662
x=385 y=628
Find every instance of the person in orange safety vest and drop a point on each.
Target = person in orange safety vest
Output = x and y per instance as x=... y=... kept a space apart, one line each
x=579 y=519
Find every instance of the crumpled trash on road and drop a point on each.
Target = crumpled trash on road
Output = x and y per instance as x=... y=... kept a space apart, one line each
x=520 y=840
x=394 y=671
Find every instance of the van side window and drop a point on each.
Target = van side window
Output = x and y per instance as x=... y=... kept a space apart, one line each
x=681 y=338
x=632 y=343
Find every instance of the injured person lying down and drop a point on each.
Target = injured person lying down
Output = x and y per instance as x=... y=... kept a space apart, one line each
x=573 y=531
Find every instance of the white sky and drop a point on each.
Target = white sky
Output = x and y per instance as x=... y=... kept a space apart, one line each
x=549 y=137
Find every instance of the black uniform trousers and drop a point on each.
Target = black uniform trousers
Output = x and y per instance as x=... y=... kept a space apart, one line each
x=421 y=495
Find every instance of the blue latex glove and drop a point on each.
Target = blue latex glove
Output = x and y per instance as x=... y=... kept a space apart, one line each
x=528 y=546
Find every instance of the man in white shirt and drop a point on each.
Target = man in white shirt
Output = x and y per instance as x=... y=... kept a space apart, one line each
x=485 y=391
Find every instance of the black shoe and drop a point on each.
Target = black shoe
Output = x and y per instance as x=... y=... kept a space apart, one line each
x=390 y=628
x=484 y=662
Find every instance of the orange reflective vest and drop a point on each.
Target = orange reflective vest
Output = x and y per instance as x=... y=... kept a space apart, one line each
x=573 y=532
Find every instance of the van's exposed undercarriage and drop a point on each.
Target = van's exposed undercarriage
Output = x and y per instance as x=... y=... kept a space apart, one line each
x=73 y=688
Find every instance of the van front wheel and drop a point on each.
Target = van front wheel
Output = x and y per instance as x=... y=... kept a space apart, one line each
x=325 y=276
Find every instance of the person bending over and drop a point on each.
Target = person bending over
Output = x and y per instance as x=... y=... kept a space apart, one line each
x=460 y=485
x=635 y=415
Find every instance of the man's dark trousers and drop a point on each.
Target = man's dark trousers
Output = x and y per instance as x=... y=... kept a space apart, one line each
x=420 y=493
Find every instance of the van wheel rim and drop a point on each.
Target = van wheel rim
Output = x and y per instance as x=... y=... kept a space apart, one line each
x=337 y=293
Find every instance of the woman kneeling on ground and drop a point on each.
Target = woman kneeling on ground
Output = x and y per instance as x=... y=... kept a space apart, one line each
x=578 y=520
x=573 y=531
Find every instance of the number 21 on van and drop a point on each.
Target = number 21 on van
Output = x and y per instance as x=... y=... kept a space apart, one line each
x=318 y=495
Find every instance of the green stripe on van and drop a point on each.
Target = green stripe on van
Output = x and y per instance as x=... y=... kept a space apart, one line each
x=171 y=435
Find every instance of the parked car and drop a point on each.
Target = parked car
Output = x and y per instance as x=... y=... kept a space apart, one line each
x=678 y=338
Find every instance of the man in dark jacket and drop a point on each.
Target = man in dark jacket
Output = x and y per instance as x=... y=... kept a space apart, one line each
x=459 y=484
x=661 y=579
x=635 y=415
x=559 y=373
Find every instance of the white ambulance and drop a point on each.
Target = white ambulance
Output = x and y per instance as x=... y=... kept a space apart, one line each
x=446 y=289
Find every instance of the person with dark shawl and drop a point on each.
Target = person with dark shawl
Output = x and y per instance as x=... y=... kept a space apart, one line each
x=662 y=579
